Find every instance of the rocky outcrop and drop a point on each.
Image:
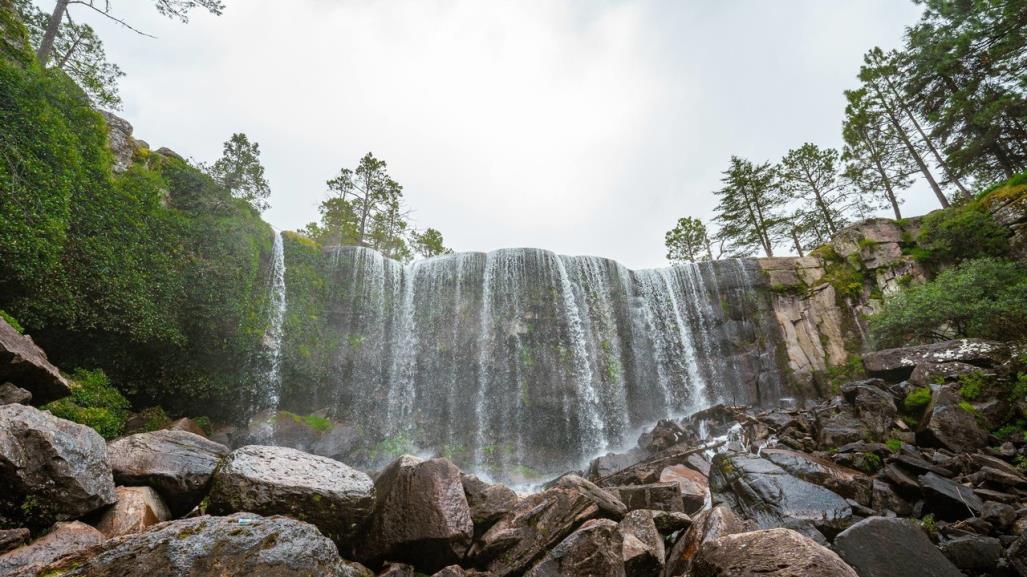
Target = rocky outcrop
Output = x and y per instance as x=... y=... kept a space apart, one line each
x=594 y=549
x=137 y=508
x=119 y=137
x=421 y=515
x=898 y=364
x=281 y=481
x=25 y=365
x=886 y=547
x=50 y=469
x=63 y=539
x=178 y=464
x=239 y=545
x=769 y=553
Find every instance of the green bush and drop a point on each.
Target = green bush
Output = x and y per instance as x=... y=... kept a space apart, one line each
x=154 y=419
x=984 y=298
x=94 y=402
x=972 y=385
x=893 y=445
x=960 y=233
x=917 y=400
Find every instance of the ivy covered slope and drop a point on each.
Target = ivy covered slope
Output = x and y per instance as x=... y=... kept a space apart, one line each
x=155 y=275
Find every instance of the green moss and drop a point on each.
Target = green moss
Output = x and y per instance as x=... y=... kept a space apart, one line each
x=972 y=385
x=11 y=321
x=893 y=445
x=94 y=402
x=154 y=419
x=917 y=400
x=318 y=423
x=871 y=463
x=960 y=233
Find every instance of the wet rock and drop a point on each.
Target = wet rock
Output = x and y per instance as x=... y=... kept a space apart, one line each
x=12 y=395
x=13 y=538
x=840 y=428
x=974 y=554
x=888 y=547
x=886 y=499
x=50 y=469
x=846 y=482
x=658 y=496
x=607 y=501
x=337 y=443
x=610 y=463
x=1016 y=555
x=668 y=522
x=25 y=365
x=947 y=424
x=1000 y=516
x=281 y=481
x=535 y=525
x=594 y=549
x=63 y=539
x=178 y=464
x=693 y=484
x=949 y=500
x=707 y=526
x=643 y=549
x=240 y=545
x=421 y=515
x=186 y=424
x=767 y=494
x=663 y=436
x=872 y=405
x=137 y=508
x=898 y=364
x=487 y=502
x=772 y=552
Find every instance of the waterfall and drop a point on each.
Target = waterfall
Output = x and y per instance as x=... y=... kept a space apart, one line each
x=270 y=381
x=519 y=362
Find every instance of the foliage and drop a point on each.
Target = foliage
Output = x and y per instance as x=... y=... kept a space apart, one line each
x=917 y=400
x=984 y=298
x=871 y=463
x=851 y=370
x=960 y=233
x=428 y=243
x=11 y=321
x=688 y=241
x=93 y=402
x=154 y=419
x=972 y=385
x=893 y=445
x=240 y=172
x=809 y=175
x=749 y=207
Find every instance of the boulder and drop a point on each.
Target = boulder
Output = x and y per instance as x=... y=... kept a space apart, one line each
x=333 y=497
x=930 y=373
x=337 y=443
x=766 y=493
x=898 y=364
x=610 y=463
x=119 y=137
x=536 y=524
x=178 y=464
x=12 y=395
x=668 y=522
x=886 y=499
x=848 y=483
x=239 y=545
x=948 y=500
x=607 y=501
x=872 y=405
x=768 y=553
x=837 y=428
x=25 y=365
x=186 y=424
x=13 y=538
x=663 y=436
x=487 y=502
x=63 y=539
x=137 y=508
x=657 y=496
x=643 y=550
x=50 y=469
x=707 y=526
x=694 y=486
x=889 y=547
x=592 y=550
x=973 y=554
x=421 y=515
x=458 y=571
x=397 y=570
x=947 y=424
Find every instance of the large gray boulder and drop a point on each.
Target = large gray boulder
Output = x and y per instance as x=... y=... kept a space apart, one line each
x=767 y=494
x=240 y=545
x=420 y=515
x=949 y=500
x=63 y=539
x=50 y=469
x=844 y=481
x=488 y=502
x=178 y=464
x=768 y=553
x=119 y=137
x=890 y=547
x=947 y=424
x=898 y=364
x=592 y=550
x=538 y=523
x=25 y=365
x=137 y=508
x=335 y=498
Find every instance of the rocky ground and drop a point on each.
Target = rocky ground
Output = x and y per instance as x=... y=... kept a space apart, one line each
x=889 y=478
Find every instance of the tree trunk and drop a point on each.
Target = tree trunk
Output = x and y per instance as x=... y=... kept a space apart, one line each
x=46 y=44
x=901 y=132
x=798 y=245
x=889 y=192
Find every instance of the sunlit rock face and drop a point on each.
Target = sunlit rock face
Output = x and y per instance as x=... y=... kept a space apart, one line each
x=519 y=361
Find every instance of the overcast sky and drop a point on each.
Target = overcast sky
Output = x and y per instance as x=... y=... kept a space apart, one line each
x=585 y=127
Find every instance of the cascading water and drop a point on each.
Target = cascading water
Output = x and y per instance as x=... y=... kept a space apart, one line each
x=270 y=380
x=520 y=362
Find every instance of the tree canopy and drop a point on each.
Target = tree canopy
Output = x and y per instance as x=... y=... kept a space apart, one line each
x=240 y=172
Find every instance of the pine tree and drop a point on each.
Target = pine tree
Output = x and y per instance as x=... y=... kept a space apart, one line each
x=240 y=172
x=810 y=175
x=749 y=212
x=688 y=241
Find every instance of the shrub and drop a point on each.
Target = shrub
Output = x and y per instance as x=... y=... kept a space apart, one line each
x=985 y=298
x=961 y=233
x=94 y=402
x=893 y=445
x=917 y=400
x=973 y=385
x=871 y=463
x=154 y=419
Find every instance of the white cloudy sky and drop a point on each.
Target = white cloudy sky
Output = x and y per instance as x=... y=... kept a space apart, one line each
x=582 y=126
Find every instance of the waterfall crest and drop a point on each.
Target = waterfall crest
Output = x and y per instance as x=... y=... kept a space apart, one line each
x=520 y=362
